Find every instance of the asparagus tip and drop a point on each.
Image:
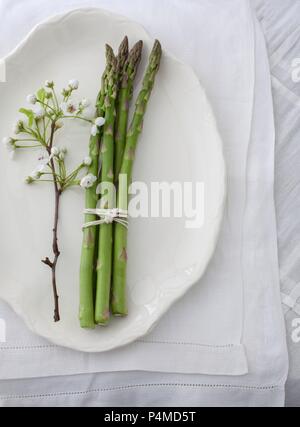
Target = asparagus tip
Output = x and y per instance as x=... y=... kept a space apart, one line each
x=155 y=54
x=123 y=48
x=157 y=50
x=136 y=53
x=109 y=53
x=122 y=54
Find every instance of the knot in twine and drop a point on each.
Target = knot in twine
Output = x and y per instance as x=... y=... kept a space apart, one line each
x=107 y=216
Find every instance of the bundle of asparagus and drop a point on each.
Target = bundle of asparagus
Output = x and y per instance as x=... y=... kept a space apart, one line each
x=113 y=149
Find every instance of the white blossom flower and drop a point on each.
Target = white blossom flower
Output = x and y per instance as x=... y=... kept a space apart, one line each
x=39 y=112
x=43 y=161
x=94 y=130
x=7 y=141
x=31 y=99
x=9 y=144
x=64 y=150
x=18 y=127
x=99 y=121
x=35 y=174
x=49 y=84
x=87 y=161
x=73 y=84
x=85 y=103
x=69 y=108
x=61 y=155
x=55 y=151
x=88 y=112
x=88 y=181
x=40 y=168
x=44 y=157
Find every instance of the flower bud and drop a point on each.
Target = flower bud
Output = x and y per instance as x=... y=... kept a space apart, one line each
x=31 y=99
x=29 y=180
x=94 y=130
x=73 y=84
x=48 y=95
x=39 y=112
x=55 y=151
x=99 y=121
x=65 y=93
x=35 y=175
x=49 y=84
x=85 y=103
x=87 y=161
x=18 y=127
x=59 y=124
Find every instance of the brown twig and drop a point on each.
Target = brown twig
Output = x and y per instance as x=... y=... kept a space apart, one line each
x=56 y=252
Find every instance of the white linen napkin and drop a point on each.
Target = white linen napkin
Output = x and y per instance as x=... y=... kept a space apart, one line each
x=235 y=309
x=283 y=42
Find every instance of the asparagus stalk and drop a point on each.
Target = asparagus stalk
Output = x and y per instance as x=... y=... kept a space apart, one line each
x=104 y=263
x=86 y=308
x=126 y=80
x=119 y=302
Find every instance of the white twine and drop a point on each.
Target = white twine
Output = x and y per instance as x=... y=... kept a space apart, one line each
x=107 y=216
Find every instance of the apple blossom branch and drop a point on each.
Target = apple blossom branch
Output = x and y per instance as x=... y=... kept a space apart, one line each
x=37 y=129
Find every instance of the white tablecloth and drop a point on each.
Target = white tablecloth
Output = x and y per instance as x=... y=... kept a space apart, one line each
x=239 y=339
x=281 y=25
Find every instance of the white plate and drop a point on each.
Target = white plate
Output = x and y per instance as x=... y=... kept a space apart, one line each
x=180 y=142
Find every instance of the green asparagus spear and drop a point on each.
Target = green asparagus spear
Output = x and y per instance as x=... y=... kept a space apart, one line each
x=104 y=262
x=119 y=302
x=124 y=96
x=88 y=251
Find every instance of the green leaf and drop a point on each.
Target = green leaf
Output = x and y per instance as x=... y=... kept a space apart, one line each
x=29 y=114
x=41 y=94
